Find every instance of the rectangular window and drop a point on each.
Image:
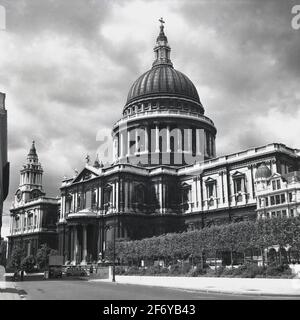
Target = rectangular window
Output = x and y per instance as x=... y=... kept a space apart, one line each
x=267 y=202
x=210 y=190
x=282 y=198
x=284 y=213
x=272 y=200
x=278 y=184
x=94 y=199
x=278 y=213
x=273 y=214
x=88 y=199
x=238 y=185
x=292 y=212
x=274 y=185
x=290 y=197
x=277 y=199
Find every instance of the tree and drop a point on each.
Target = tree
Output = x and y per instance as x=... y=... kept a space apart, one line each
x=42 y=256
x=28 y=263
x=17 y=255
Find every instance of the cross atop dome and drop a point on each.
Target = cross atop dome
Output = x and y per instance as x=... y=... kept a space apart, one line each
x=161 y=20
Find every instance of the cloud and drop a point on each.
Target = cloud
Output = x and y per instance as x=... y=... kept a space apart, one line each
x=67 y=67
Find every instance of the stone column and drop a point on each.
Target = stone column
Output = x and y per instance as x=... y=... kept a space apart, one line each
x=199 y=193
x=117 y=196
x=121 y=136
x=189 y=146
x=71 y=230
x=130 y=187
x=62 y=209
x=168 y=139
x=75 y=245
x=156 y=138
x=199 y=141
x=136 y=140
x=84 y=244
x=128 y=142
x=100 y=198
x=113 y=196
x=226 y=188
x=160 y=196
x=146 y=140
x=195 y=193
x=126 y=196
x=179 y=140
x=249 y=184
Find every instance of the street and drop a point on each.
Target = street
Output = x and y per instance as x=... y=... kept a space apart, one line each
x=85 y=290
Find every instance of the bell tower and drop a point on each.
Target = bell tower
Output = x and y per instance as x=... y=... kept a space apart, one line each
x=30 y=187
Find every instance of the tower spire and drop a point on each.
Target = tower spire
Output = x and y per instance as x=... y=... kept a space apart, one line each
x=32 y=155
x=162 y=49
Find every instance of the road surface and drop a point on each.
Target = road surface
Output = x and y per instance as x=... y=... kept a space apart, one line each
x=84 y=290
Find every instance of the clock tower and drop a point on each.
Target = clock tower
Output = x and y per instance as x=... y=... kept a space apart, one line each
x=30 y=186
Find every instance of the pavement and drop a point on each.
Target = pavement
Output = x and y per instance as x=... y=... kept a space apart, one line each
x=8 y=289
x=235 y=286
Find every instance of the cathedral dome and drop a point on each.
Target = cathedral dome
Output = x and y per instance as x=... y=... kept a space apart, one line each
x=163 y=82
x=163 y=79
x=263 y=172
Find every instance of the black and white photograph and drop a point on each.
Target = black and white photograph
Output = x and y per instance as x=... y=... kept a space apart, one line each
x=149 y=152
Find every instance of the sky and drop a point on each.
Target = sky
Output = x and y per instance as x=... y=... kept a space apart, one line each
x=66 y=67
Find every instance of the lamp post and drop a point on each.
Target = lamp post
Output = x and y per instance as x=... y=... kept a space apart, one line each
x=113 y=225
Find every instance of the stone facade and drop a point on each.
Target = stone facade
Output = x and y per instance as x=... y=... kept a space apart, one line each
x=278 y=195
x=33 y=215
x=145 y=192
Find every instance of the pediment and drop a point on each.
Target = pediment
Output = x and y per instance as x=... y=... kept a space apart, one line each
x=237 y=174
x=210 y=180
x=275 y=176
x=85 y=174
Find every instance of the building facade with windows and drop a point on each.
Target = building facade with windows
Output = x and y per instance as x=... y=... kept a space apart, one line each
x=33 y=216
x=4 y=164
x=165 y=176
x=278 y=195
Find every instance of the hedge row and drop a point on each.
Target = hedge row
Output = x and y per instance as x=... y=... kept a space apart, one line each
x=233 y=237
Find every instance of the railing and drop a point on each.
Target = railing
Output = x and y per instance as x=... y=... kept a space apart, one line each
x=165 y=112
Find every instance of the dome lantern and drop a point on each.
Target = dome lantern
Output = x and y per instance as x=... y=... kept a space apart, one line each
x=162 y=49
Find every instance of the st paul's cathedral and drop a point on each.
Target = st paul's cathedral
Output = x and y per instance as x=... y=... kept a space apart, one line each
x=165 y=176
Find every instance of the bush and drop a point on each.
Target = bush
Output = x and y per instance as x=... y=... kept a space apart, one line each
x=196 y=272
x=219 y=271
x=28 y=264
x=278 y=271
x=120 y=270
x=132 y=270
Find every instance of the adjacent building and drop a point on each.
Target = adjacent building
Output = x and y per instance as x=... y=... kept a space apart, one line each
x=33 y=216
x=4 y=164
x=278 y=195
x=165 y=175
